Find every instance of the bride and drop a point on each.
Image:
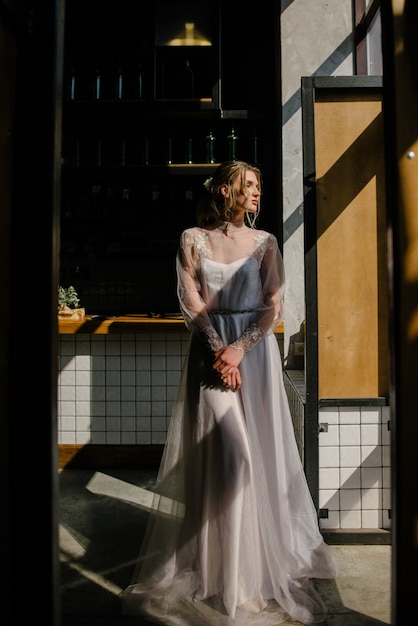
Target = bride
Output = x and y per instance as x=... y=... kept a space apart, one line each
x=233 y=536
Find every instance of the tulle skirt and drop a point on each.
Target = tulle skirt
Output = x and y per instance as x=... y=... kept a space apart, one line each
x=233 y=534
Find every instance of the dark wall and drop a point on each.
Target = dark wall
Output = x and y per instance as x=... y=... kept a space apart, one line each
x=30 y=62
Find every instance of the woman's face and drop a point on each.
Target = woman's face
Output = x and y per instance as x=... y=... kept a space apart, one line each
x=247 y=201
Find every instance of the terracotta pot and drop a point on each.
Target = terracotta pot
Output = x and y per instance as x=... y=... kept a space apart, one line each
x=71 y=314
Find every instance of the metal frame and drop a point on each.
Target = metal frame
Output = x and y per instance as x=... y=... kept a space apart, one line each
x=309 y=87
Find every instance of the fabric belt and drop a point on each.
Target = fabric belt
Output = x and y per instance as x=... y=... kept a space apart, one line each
x=232 y=312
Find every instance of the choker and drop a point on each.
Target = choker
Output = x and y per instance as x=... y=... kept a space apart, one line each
x=230 y=227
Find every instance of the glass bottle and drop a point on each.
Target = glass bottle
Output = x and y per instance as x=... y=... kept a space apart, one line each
x=189 y=150
x=210 y=141
x=140 y=83
x=98 y=85
x=122 y=152
x=145 y=151
x=169 y=151
x=187 y=82
x=72 y=85
x=232 y=141
x=254 y=147
x=119 y=84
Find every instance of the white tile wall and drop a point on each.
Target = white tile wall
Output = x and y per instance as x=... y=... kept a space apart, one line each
x=118 y=389
x=354 y=468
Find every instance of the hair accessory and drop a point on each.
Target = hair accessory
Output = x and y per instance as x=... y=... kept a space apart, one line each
x=208 y=183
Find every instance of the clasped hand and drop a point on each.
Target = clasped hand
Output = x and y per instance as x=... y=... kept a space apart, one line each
x=226 y=364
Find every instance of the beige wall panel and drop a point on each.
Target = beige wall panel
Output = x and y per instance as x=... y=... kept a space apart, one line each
x=349 y=162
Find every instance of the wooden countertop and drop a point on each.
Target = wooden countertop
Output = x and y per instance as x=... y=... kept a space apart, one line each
x=139 y=323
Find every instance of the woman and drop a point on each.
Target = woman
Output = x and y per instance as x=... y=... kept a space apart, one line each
x=234 y=534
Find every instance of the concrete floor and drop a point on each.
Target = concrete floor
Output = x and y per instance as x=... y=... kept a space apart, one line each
x=102 y=518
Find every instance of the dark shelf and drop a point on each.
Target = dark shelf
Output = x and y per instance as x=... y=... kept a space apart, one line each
x=131 y=171
x=148 y=109
x=133 y=167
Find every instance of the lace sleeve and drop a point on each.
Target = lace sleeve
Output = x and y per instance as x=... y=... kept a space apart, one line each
x=249 y=339
x=192 y=305
x=271 y=312
x=211 y=338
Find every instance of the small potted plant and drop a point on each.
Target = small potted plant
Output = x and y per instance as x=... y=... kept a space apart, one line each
x=68 y=302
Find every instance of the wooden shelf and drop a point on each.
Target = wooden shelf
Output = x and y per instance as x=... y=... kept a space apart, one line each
x=99 y=325
x=141 y=323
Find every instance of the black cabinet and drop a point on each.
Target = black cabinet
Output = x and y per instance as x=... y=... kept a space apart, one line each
x=145 y=121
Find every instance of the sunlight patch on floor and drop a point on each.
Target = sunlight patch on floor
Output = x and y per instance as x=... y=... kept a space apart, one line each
x=106 y=485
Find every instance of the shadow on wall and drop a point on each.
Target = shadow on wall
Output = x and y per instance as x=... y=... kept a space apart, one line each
x=296 y=355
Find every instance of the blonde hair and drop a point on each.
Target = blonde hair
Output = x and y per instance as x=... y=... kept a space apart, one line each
x=215 y=206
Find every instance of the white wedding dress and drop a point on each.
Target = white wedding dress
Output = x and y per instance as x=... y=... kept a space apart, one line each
x=233 y=536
